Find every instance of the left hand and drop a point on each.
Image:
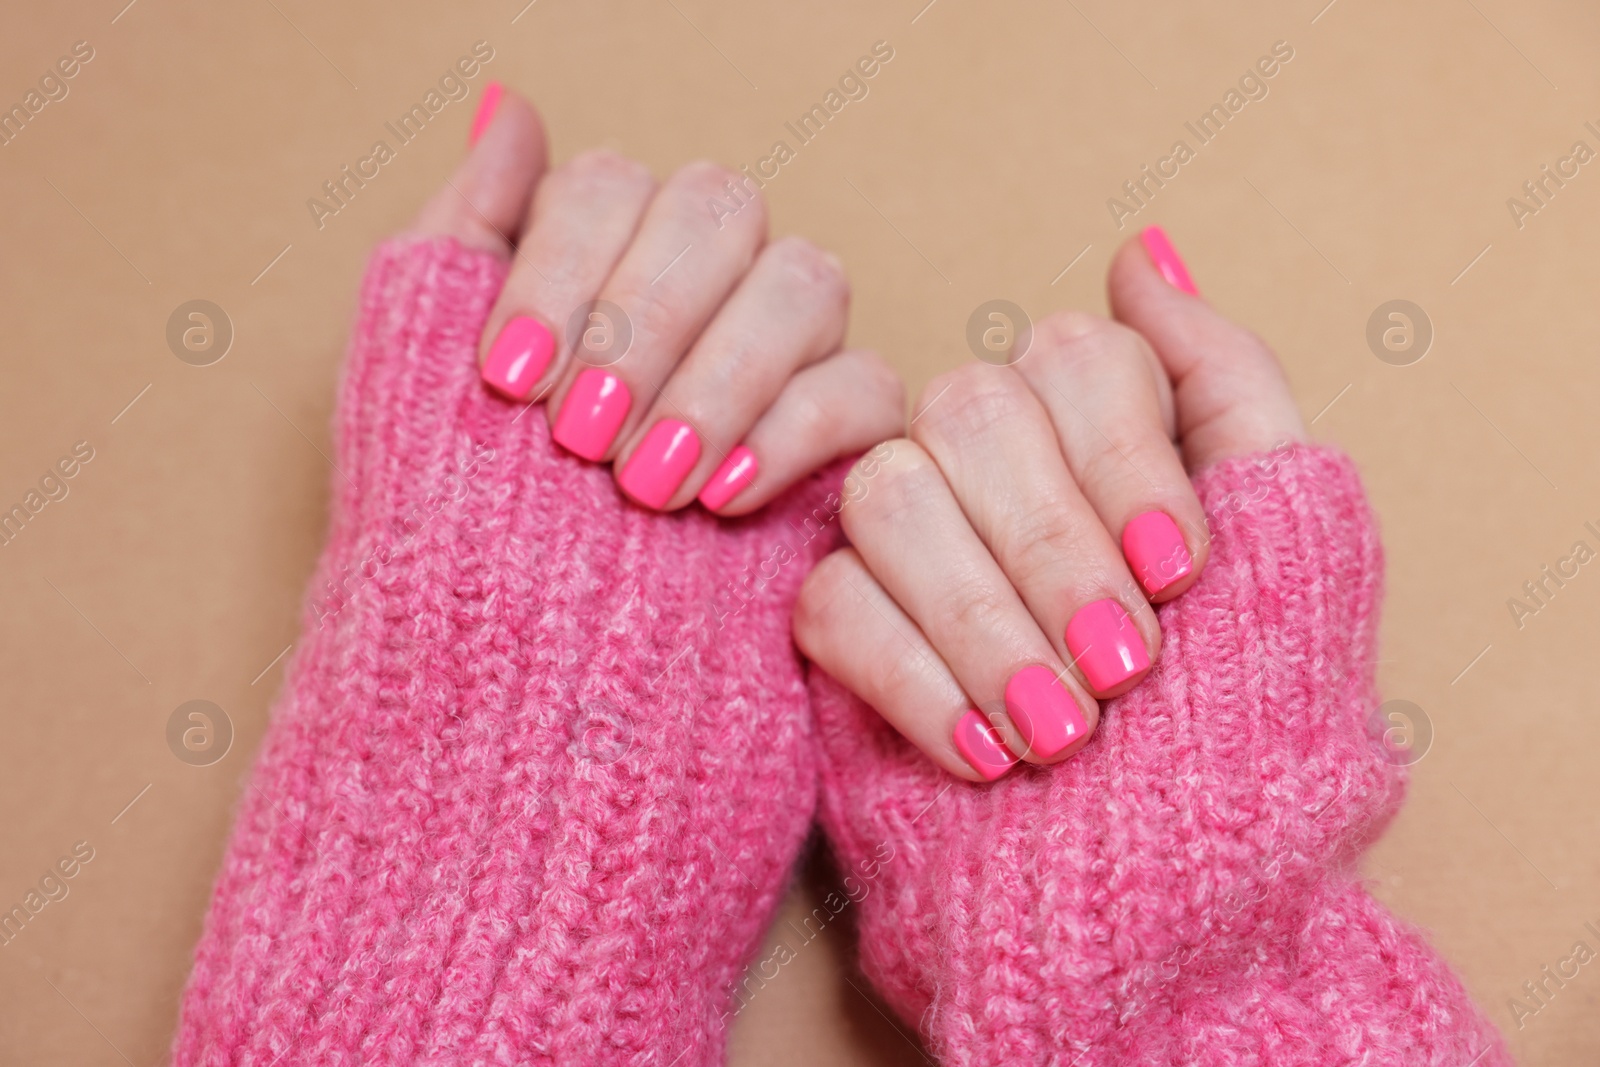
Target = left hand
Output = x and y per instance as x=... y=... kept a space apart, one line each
x=722 y=378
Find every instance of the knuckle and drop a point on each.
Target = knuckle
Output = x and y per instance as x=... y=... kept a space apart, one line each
x=605 y=167
x=702 y=174
x=654 y=313
x=900 y=673
x=1101 y=470
x=882 y=382
x=1066 y=327
x=1038 y=535
x=901 y=474
x=814 y=420
x=811 y=268
x=703 y=183
x=974 y=605
x=1079 y=339
x=1120 y=467
x=969 y=402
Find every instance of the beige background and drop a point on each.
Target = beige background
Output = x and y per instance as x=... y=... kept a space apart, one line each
x=978 y=167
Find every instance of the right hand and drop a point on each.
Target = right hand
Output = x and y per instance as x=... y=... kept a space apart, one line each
x=1005 y=557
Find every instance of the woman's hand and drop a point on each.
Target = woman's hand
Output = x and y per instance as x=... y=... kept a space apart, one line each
x=1005 y=558
x=668 y=338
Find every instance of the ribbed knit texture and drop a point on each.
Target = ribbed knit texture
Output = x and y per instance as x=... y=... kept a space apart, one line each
x=543 y=760
x=1182 y=891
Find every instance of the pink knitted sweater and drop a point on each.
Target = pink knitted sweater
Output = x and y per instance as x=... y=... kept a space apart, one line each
x=544 y=761
x=1182 y=891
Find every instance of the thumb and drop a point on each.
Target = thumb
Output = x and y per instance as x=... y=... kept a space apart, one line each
x=1229 y=391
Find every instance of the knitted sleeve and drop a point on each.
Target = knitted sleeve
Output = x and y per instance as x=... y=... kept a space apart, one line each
x=1182 y=891
x=543 y=760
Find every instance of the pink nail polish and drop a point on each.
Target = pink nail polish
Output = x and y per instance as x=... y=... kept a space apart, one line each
x=1106 y=645
x=518 y=356
x=730 y=479
x=595 y=408
x=486 y=109
x=1167 y=260
x=660 y=464
x=1153 y=546
x=981 y=746
x=1043 y=712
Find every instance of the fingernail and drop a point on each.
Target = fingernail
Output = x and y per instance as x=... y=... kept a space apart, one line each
x=592 y=414
x=1106 y=645
x=1043 y=712
x=1154 y=548
x=730 y=479
x=486 y=109
x=1167 y=260
x=981 y=746
x=661 y=462
x=518 y=357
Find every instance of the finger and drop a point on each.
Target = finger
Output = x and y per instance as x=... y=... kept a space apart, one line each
x=911 y=533
x=847 y=625
x=998 y=451
x=1231 y=396
x=584 y=214
x=682 y=264
x=788 y=312
x=483 y=203
x=1103 y=388
x=847 y=403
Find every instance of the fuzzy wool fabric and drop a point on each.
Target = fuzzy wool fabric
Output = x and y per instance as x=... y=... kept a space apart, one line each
x=543 y=760
x=1182 y=891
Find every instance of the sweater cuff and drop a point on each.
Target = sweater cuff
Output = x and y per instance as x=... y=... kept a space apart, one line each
x=412 y=409
x=1283 y=628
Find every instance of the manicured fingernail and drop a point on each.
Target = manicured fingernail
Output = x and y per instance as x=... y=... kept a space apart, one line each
x=730 y=479
x=981 y=746
x=1167 y=260
x=660 y=464
x=486 y=109
x=1106 y=645
x=592 y=414
x=518 y=356
x=1043 y=712
x=1154 y=548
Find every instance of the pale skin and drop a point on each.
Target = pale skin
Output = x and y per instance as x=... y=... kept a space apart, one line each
x=739 y=336
x=1001 y=513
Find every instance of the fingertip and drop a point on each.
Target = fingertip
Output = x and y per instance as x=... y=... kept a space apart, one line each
x=1164 y=257
x=1146 y=276
x=654 y=471
x=1159 y=554
x=1229 y=389
x=484 y=202
x=1176 y=588
x=1061 y=755
x=506 y=123
x=982 y=748
x=504 y=165
x=1048 y=717
x=515 y=361
x=1197 y=545
x=729 y=481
